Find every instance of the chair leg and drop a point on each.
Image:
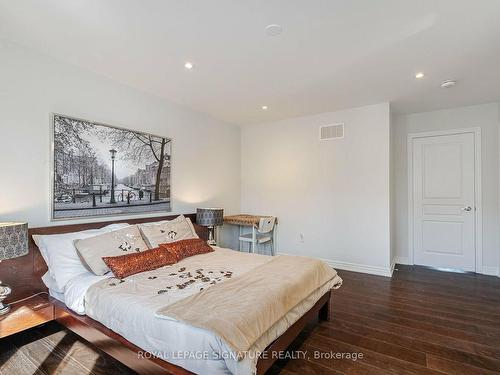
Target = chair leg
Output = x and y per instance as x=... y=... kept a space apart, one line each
x=253 y=239
x=239 y=241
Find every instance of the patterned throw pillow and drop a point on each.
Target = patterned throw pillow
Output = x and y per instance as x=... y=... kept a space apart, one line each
x=123 y=241
x=177 y=229
x=130 y=264
x=187 y=248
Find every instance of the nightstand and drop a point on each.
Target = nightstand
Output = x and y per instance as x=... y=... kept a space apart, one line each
x=26 y=314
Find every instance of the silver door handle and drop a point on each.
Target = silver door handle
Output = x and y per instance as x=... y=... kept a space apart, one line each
x=467 y=208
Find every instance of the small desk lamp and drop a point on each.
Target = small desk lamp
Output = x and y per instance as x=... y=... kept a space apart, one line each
x=13 y=244
x=210 y=218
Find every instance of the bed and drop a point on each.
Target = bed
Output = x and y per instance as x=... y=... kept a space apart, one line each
x=126 y=325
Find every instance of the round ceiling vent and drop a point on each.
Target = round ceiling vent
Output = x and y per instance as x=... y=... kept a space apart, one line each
x=273 y=30
x=448 y=83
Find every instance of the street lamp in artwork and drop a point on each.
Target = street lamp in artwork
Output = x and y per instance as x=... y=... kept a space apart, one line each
x=113 y=155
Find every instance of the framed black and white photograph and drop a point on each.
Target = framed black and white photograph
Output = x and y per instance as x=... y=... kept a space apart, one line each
x=102 y=170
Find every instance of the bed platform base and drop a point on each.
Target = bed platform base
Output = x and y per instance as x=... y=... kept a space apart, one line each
x=135 y=358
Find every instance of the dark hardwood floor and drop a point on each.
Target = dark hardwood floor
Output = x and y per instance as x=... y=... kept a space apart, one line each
x=421 y=321
x=50 y=349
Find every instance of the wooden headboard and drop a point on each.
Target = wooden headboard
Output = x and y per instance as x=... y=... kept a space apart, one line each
x=24 y=274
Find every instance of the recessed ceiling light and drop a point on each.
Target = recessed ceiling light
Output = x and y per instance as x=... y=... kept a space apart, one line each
x=264 y=107
x=274 y=30
x=419 y=75
x=448 y=83
x=188 y=65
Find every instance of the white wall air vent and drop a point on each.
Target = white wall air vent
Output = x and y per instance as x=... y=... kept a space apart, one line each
x=335 y=131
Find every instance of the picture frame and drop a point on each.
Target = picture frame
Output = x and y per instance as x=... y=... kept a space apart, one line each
x=101 y=170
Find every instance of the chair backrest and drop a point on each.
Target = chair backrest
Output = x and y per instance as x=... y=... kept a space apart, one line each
x=266 y=224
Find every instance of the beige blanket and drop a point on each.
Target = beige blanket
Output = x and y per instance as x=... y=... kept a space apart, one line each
x=242 y=309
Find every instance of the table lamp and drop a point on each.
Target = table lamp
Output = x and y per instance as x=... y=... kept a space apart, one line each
x=13 y=244
x=210 y=218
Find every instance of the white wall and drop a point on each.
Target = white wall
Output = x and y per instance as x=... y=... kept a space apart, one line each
x=487 y=118
x=206 y=152
x=334 y=192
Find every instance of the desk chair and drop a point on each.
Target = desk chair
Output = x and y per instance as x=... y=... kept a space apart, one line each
x=260 y=235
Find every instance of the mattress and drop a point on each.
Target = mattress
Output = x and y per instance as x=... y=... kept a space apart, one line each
x=129 y=308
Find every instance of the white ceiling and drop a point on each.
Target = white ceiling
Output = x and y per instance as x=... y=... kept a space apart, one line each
x=333 y=54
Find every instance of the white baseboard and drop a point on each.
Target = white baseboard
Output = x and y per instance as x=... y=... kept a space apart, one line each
x=491 y=271
x=387 y=272
x=485 y=270
x=402 y=260
x=393 y=266
x=379 y=271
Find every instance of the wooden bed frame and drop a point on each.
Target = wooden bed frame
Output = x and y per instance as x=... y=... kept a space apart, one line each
x=24 y=275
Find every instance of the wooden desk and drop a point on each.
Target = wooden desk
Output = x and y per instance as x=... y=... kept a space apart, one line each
x=23 y=315
x=246 y=220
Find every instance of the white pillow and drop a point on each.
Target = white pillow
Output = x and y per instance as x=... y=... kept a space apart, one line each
x=177 y=229
x=37 y=239
x=118 y=242
x=148 y=224
x=60 y=253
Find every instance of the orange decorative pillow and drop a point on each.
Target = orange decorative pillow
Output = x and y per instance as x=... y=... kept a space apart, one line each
x=187 y=248
x=148 y=260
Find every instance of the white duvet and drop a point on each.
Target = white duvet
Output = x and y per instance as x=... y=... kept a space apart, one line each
x=129 y=308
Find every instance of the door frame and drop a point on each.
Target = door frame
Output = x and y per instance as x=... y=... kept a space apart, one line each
x=478 y=235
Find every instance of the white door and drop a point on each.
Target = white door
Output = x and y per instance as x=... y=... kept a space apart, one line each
x=443 y=201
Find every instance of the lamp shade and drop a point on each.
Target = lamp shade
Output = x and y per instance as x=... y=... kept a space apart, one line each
x=209 y=216
x=13 y=240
